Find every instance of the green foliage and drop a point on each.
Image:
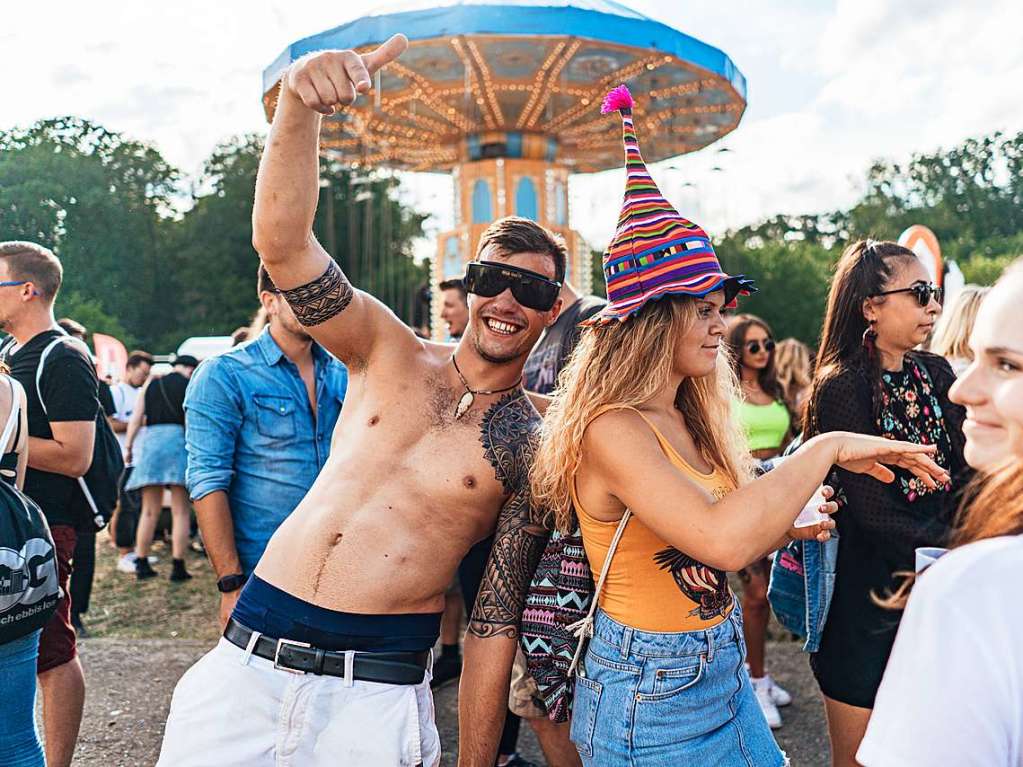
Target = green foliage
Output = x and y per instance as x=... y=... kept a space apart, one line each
x=135 y=269
x=90 y=313
x=792 y=278
x=971 y=196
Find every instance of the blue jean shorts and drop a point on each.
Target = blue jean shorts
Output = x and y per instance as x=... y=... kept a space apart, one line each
x=648 y=698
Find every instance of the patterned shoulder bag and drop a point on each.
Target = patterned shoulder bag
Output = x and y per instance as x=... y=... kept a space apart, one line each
x=558 y=616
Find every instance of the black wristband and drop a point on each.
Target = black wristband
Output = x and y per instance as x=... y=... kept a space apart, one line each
x=230 y=583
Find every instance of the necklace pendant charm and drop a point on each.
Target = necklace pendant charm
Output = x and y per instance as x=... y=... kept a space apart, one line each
x=464 y=403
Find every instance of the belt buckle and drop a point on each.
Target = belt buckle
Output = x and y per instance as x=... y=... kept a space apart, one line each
x=277 y=655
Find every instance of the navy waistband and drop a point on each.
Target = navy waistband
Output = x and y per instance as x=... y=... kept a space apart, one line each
x=267 y=609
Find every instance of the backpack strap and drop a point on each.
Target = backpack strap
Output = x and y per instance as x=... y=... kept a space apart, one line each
x=583 y=629
x=14 y=416
x=82 y=348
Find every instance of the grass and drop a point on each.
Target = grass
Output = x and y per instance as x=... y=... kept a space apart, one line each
x=126 y=608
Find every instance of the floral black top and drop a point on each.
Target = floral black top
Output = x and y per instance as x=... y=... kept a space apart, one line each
x=910 y=411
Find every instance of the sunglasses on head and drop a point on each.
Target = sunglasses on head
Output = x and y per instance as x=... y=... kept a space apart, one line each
x=922 y=290
x=532 y=290
x=754 y=346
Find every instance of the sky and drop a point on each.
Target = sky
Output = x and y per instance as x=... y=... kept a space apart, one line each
x=832 y=85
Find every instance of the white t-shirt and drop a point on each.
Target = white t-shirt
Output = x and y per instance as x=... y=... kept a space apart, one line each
x=125 y=396
x=952 y=693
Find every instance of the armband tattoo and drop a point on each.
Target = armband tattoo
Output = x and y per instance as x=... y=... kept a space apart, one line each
x=327 y=296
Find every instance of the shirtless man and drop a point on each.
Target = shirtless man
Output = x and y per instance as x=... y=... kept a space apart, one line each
x=431 y=453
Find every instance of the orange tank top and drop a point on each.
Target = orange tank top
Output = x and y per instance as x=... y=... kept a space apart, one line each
x=652 y=586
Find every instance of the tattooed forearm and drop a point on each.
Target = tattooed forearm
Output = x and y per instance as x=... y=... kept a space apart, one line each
x=518 y=545
x=507 y=435
x=325 y=297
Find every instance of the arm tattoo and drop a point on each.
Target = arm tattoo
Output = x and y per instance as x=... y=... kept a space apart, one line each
x=508 y=437
x=325 y=297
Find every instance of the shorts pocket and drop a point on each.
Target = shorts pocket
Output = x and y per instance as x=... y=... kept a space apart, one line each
x=275 y=416
x=671 y=681
x=688 y=700
x=584 y=714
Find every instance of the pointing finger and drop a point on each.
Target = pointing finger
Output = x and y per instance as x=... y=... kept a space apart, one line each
x=385 y=54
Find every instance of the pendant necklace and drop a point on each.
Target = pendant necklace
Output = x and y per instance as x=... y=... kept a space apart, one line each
x=466 y=400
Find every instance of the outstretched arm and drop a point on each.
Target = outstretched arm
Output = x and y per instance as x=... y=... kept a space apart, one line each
x=492 y=638
x=346 y=321
x=732 y=532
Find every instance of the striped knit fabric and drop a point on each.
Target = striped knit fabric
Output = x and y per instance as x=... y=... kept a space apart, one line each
x=655 y=251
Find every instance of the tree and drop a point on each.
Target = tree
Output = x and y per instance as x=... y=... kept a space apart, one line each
x=97 y=199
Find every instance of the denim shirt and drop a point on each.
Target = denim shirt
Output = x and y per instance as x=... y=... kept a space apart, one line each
x=801 y=587
x=250 y=431
x=802 y=579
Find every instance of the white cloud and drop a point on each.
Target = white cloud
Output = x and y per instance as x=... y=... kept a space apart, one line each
x=832 y=85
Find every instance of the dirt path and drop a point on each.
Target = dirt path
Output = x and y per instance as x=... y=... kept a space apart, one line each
x=130 y=682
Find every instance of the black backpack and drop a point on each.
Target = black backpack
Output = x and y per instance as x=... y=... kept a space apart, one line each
x=29 y=587
x=99 y=486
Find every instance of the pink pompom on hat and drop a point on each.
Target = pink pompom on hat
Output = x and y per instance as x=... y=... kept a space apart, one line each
x=655 y=251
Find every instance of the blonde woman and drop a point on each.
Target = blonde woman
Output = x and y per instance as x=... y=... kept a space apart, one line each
x=954 y=685
x=951 y=338
x=793 y=366
x=640 y=444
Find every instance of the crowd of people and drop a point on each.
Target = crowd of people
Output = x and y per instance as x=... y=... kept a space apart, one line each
x=670 y=439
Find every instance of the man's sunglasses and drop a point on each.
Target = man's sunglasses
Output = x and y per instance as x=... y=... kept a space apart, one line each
x=922 y=290
x=532 y=290
x=754 y=346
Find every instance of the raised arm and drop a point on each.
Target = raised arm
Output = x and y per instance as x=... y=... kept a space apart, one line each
x=348 y=322
x=492 y=638
x=732 y=532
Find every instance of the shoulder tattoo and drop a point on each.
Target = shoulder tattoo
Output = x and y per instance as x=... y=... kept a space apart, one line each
x=325 y=297
x=508 y=435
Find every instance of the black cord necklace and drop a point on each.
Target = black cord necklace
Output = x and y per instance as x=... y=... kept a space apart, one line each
x=466 y=400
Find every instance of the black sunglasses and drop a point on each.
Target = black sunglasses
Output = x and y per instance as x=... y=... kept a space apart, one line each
x=754 y=346
x=530 y=289
x=922 y=290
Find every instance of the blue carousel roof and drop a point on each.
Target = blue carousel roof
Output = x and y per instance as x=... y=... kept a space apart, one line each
x=528 y=66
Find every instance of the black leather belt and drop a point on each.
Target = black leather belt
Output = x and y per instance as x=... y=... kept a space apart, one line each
x=298 y=657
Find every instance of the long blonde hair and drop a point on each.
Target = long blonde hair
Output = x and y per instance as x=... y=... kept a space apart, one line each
x=627 y=364
x=951 y=337
x=793 y=367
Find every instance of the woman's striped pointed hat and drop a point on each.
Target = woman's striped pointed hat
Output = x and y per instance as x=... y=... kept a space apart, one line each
x=655 y=251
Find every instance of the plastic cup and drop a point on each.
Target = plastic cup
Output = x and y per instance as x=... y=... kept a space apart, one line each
x=927 y=556
x=811 y=514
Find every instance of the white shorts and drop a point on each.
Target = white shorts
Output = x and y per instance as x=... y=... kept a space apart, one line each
x=233 y=709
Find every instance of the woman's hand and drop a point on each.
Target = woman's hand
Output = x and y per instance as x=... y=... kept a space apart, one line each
x=865 y=454
x=822 y=530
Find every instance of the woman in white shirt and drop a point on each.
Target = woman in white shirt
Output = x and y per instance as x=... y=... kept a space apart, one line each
x=953 y=690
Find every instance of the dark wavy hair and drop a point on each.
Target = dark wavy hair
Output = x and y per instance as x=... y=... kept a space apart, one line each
x=861 y=272
x=736 y=340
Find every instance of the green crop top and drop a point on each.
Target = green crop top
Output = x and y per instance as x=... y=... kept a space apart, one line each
x=765 y=425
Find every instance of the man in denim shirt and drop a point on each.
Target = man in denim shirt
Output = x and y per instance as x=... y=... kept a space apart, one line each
x=258 y=430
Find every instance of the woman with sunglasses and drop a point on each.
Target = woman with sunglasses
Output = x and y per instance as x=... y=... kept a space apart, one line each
x=954 y=685
x=767 y=422
x=639 y=449
x=870 y=380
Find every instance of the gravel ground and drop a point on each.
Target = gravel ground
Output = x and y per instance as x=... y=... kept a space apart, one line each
x=130 y=683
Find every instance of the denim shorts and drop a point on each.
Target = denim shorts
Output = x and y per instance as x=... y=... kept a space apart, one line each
x=648 y=698
x=19 y=740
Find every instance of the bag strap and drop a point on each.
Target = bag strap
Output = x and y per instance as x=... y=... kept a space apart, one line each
x=583 y=629
x=97 y=517
x=14 y=416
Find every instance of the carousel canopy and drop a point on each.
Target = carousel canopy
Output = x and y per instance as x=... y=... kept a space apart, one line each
x=486 y=78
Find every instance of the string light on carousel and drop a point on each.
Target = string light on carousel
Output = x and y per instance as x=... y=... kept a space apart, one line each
x=504 y=95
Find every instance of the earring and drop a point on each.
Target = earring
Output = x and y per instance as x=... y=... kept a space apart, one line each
x=870 y=337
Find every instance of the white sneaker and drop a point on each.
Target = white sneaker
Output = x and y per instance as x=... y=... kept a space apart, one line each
x=762 y=688
x=779 y=694
x=126 y=563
